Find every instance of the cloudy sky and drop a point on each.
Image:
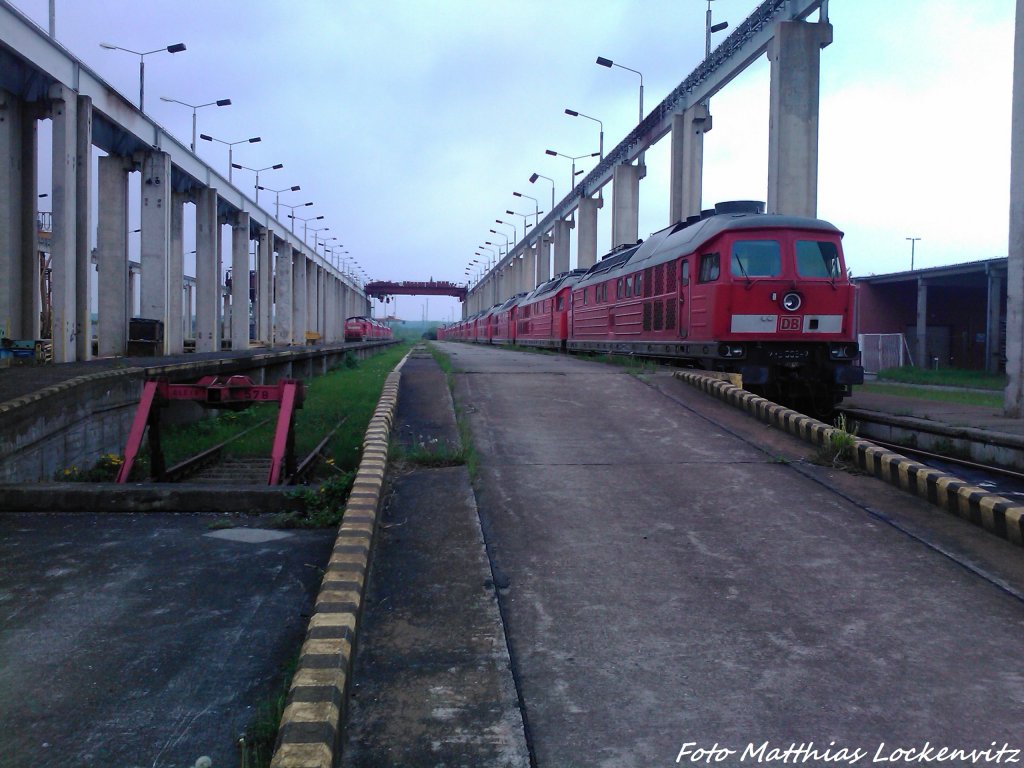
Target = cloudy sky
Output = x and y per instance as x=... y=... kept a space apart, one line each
x=410 y=123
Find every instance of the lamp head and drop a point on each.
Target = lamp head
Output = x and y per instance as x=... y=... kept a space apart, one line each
x=223 y=102
x=176 y=48
x=602 y=61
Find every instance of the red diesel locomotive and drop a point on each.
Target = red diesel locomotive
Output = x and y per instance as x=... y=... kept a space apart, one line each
x=736 y=290
x=360 y=328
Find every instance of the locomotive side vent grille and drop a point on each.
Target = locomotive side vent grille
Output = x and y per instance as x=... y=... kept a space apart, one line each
x=659 y=315
x=659 y=280
x=647 y=316
x=670 y=312
x=648 y=282
x=670 y=276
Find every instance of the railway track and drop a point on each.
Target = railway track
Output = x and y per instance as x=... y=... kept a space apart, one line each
x=214 y=466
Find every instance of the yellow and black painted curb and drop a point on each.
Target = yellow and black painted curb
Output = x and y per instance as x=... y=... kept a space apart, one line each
x=995 y=514
x=310 y=731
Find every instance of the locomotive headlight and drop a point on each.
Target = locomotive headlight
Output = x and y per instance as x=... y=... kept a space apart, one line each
x=791 y=301
x=842 y=351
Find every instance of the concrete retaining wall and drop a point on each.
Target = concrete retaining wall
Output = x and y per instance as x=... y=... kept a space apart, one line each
x=72 y=424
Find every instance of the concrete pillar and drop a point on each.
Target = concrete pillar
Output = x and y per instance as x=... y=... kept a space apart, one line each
x=112 y=256
x=795 y=56
x=299 y=298
x=586 y=237
x=208 y=331
x=1013 y=396
x=544 y=258
x=530 y=267
x=993 y=331
x=156 y=239
x=83 y=230
x=625 y=204
x=687 y=162
x=312 y=297
x=188 y=328
x=19 y=288
x=922 y=324
x=264 y=289
x=561 y=236
x=240 y=281
x=283 y=299
x=174 y=328
x=64 y=242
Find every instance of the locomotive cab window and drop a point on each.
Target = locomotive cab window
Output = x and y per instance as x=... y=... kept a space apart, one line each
x=561 y=303
x=629 y=287
x=709 y=268
x=684 y=272
x=756 y=258
x=817 y=258
x=618 y=288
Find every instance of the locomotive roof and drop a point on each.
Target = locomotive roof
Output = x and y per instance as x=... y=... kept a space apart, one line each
x=681 y=238
x=552 y=285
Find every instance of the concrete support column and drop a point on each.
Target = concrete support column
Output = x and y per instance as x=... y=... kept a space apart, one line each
x=586 y=237
x=240 y=281
x=174 y=339
x=208 y=331
x=299 y=298
x=795 y=56
x=625 y=204
x=112 y=256
x=19 y=288
x=64 y=242
x=922 y=324
x=544 y=258
x=283 y=299
x=156 y=239
x=188 y=328
x=993 y=330
x=312 y=302
x=687 y=162
x=264 y=285
x=1013 y=396
x=530 y=267
x=83 y=230
x=561 y=236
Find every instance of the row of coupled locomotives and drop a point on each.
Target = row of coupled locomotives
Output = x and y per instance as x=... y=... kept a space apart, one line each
x=734 y=289
x=360 y=328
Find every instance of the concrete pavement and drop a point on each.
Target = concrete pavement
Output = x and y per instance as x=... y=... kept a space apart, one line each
x=671 y=583
x=144 y=639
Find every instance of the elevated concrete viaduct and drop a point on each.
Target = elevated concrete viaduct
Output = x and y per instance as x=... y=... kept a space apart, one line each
x=296 y=291
x=777 y=28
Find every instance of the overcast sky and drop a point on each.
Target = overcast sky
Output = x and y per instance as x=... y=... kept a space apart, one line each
x=410 y=124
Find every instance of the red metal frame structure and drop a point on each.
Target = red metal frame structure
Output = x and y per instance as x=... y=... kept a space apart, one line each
x=379 y=289
x=232 y=393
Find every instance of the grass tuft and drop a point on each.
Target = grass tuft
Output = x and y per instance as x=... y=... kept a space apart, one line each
x=944 y=377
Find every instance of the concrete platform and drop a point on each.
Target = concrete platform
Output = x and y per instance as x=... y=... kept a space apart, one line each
x=144 y=639
x=677 y=573
x=432 y=683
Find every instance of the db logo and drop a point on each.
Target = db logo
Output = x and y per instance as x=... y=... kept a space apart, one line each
x=791 y=323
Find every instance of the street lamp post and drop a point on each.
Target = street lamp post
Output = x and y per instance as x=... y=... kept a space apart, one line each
x=515 y=237
x=609 y=63
x=314 y=230
x=913 y=241
x=176 y=48
x=305 y=224
x=533 y=180
x=292 y=209
x=277 y=198
x=231 y=148
x=574 y=113
x=536 y=206
x=194 y=107
x=572 y=184
x=258 y=171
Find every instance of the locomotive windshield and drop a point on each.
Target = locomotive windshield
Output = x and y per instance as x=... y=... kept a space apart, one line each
x=756 y=258
x=817 y=258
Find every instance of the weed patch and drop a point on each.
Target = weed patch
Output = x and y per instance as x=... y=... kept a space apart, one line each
x=942 y=396
x=837 y=451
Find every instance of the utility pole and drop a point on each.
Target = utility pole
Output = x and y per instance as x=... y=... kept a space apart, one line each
x=913 y=241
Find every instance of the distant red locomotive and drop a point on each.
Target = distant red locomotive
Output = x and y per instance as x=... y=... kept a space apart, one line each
x=361 y=328
x=735 y=290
